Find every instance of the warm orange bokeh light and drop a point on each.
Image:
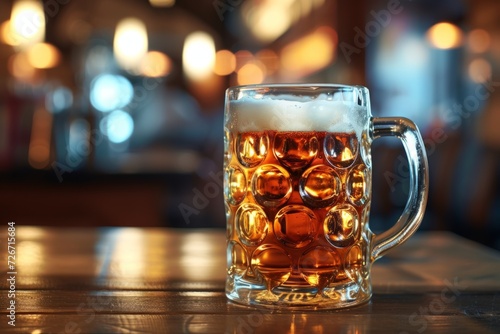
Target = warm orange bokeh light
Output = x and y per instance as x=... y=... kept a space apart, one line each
x=225 y=62
x=20 y=67
x=480 y=70
x=311 y=52
x=479 y=40
x=43 y=55
x=155 y=64
x=7 y=35
x=445 y=35
x=251 y=73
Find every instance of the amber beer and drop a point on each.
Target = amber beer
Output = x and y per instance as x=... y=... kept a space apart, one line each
x=297 y=191
x=296 y=201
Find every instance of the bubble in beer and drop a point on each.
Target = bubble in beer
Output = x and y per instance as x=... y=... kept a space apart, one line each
x=319 y=186
x=252 y=148
x=251 y=224
x=235 y=184
x=357 y=185
x=295 y=150
x=319 y=265
x=341 y=149
x=272 y=264
x=341 y=225
x=237 y=261
x=271 y=185
x=294 y=226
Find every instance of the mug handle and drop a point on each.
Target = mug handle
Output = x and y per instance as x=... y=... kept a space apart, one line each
x=413 y=213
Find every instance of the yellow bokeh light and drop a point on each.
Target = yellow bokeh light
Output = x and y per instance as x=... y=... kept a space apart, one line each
x=445 y=35
x=43 y=55
x=268 y=19
x=130 y=43
x=27 y=23
x=310 y=53
x=251 y=73
x=155 y=64
x=480 y=70
x=6 y=34
x=198 y=56
x=225 y=62
x=479 y=40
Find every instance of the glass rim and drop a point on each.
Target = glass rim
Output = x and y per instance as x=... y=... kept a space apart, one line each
x=308 y=86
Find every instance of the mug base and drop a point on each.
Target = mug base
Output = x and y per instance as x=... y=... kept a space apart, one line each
x=300 y=298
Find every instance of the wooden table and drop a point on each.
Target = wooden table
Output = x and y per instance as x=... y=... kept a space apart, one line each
x=151 y=280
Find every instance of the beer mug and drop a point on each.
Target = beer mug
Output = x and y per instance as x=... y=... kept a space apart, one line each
x=297 y=191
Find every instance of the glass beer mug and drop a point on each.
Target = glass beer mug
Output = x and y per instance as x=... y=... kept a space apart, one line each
x=297 y=190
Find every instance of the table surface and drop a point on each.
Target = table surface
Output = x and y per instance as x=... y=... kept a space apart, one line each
x=154 y=280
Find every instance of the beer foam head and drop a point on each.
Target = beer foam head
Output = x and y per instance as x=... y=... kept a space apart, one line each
x=290 y=113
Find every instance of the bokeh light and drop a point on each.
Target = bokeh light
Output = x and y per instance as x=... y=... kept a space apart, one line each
x=478 y=40
x=479 y=70
x=198 y=56
x=6 y=34
x=20 y=67
x=118 y=126
x=130 y=43
x=59 y=99
x=156 y=64
x=225 y=62
x=109 y=92
x=311 y=52
x=43 y=55
x=445 y=35
x=251 y=73
x=27 y=23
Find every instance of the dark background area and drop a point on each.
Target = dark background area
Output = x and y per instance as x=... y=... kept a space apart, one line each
x=86 y=140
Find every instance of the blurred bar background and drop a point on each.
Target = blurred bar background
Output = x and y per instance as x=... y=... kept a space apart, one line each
x=111 y=111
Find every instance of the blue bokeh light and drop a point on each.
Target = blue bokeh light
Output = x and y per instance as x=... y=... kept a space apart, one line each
x=110 y=92
x=118 y=126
